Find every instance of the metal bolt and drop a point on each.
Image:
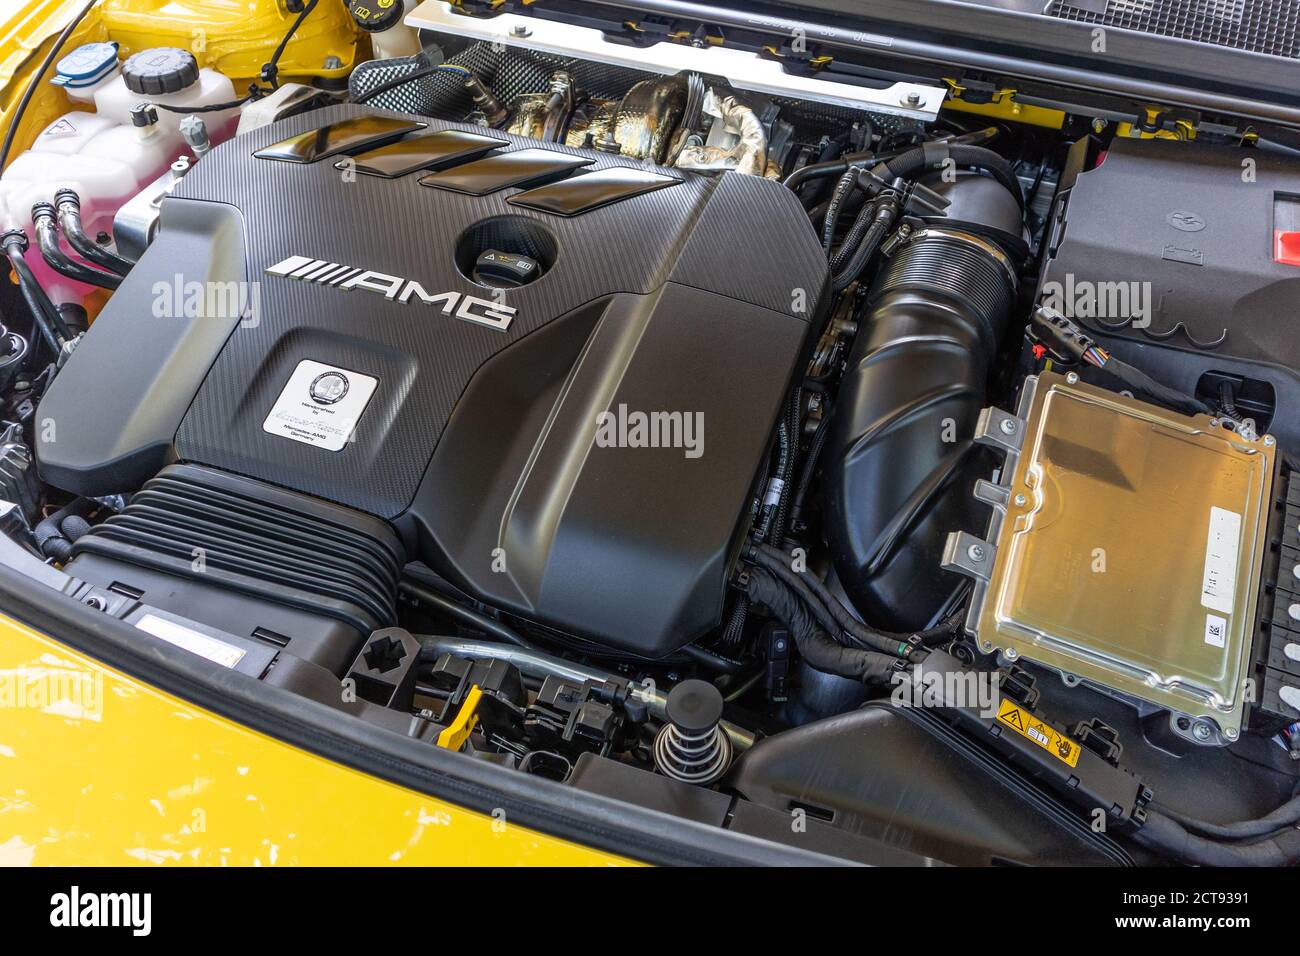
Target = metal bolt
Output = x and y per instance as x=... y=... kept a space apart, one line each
x=1008 y=426
x=1270 y=440
x=333 y=62
x=521 y=30
x=912 y=99
x=1201 y=731
x=1020 y=500
x=1098 y=125
x=1230 y=733
x=1072 y=378
x=976 y=553
x=1010 y=653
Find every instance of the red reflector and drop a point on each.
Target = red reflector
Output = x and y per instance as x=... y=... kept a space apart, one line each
x=1286 y=247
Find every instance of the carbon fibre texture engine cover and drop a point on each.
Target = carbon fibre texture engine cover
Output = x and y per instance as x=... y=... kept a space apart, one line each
x=365 y=365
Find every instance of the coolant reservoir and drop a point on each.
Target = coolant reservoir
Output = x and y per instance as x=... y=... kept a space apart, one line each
x=111 y=154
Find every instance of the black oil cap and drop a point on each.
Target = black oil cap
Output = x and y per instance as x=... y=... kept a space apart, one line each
x=164 y=69
x=504 y=270
x=694 y=706
x=375 y=16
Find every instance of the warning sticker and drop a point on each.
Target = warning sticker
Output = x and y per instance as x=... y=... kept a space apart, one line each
x=1046 y=736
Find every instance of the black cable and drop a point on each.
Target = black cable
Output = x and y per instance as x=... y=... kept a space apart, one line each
x=211 y=107
x=851 y=260
x=794 y=426
x=425 y=594
x=1228 y=401
x=835 y=208
x=1168 y=837
x=270 y=71
x=69 y=208
x=816 y=648
x=809 y=470
x=1287 y=815
x=47 y=318
x=16 y=119
x=734 y=629
x=1139 y=381
x=782 y=564
x=717 y=662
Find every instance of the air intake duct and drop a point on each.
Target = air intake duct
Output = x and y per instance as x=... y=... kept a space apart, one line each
x=289 y=570
x=900 y=460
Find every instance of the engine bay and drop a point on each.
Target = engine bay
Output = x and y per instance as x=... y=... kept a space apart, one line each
x=735 y=448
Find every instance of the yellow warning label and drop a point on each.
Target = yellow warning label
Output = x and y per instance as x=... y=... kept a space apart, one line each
x=1046 y=736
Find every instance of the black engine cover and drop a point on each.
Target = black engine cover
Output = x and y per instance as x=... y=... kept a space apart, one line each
x=479 y=438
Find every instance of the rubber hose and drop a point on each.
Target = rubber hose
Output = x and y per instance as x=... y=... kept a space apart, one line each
x=931 y=155
x=69 y=207
x=49 y=534
x=48 y=242
x=46 y=316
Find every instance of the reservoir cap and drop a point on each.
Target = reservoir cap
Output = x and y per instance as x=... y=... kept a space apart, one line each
x=164 y=69
x=86 y=65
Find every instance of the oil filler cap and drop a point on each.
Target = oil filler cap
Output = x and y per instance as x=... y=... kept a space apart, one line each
x=164 y=69
x=504 y=270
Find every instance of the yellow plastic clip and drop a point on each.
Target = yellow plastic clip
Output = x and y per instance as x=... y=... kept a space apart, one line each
x=455 y=734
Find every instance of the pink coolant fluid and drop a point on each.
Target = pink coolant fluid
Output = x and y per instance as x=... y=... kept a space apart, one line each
x=102 y=155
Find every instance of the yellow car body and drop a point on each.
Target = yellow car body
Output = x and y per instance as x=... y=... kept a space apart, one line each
x=97 y=768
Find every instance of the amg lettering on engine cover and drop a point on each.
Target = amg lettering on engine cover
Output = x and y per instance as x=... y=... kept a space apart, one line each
x=467 y=307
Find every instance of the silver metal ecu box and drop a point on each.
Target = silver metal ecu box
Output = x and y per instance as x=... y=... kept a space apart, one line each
x=1124 y=550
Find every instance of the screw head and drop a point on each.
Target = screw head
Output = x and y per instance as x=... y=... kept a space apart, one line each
x=1020 y=500
x=520 y=30
x=1008 y=426
x=1270 y=440
x=911 y=99
x=1072 y=378
x=975 y=552
x=1010 y=653
x=1230 y=733
x=1201 y=730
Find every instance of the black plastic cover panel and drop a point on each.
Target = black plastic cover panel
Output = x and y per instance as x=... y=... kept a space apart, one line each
x=1195 y=279
x=439 y=148
x=578 y=194
x=371 y=372
x=520 y=167
x=355 y=133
